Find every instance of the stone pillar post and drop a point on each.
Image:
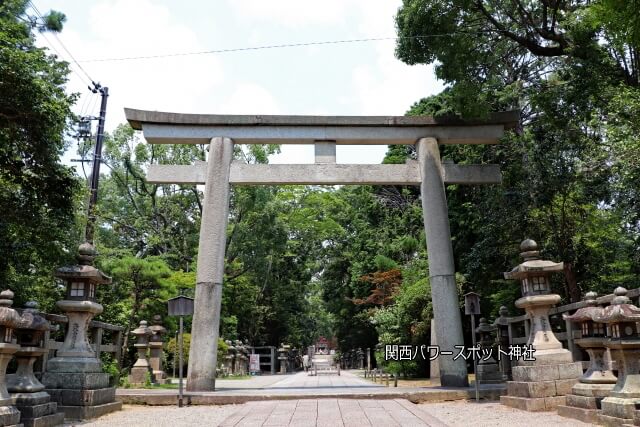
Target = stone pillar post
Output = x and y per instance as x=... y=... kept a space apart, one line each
x=156 y=347
x=9 y=321
x=205 y=328
x=444 y=292
x=142 y=367
x=27 y=392
x=74 y=378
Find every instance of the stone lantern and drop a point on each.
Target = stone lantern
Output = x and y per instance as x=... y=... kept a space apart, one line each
x=74 y=378
x=585 y=398
x=227 y=364
x=27 y=392
x=80 y=306
x=156 y=347
x=502 y=339
x=242 y=358
x=283 y=357
x=542 y=383
x=9 y=321
x=488 y=369
x=623 y=341
x=141 y=368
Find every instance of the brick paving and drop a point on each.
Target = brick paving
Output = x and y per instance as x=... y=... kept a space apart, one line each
x=331 y=413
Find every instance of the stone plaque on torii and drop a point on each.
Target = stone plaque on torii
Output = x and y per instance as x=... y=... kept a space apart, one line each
x=221 y=132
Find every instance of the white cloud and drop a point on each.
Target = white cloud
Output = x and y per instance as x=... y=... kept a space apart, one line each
x=250 y=98
x=291 y=13
x=390 y=87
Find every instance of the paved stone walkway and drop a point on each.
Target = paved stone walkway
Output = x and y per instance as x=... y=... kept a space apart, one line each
x=331 y=413
x=300 y=386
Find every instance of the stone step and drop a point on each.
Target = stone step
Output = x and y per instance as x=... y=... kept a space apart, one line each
x=55 y=419
x=581 y=414
x=36 y=411
x=71 y=397
x=88 y=412
x=533 y=404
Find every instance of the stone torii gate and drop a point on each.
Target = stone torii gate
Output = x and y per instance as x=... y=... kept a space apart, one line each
x=221 y=132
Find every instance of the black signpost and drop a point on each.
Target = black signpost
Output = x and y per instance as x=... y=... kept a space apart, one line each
x=180 y=306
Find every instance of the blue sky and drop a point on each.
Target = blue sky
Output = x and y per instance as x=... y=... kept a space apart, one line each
x=335 y=79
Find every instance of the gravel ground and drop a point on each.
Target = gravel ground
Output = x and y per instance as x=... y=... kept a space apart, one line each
x=164 y=416
x=458 y=413
x=490 y=414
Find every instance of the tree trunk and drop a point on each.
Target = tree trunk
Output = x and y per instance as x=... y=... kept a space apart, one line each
x=572 y=284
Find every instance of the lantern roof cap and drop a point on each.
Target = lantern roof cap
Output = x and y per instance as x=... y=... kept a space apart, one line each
x=532 y=264
x=620 y=310
x=484 y=326
x=84 y=270
x=157 y=327
x=32 y=319
x=143 y=329
x=8 y=316
x=502 y=320
x=588 y=313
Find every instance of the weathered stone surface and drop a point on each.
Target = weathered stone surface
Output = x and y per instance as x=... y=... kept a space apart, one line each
x=570 y=371
x=85 y=381
x=564 y=387
x=87 y=412
x=547 y=358
x=609 y=421
x=535 y=373
x=584 y=402
x=24 y=399
x=74 y=365
x=581 y=414
x=9 y=415
x=619 y=407
x=139 y=375
x=592 y=390
x=442 y=270
x=37 y=411
x=50 y=420
x=531 y=389
x=71 y=397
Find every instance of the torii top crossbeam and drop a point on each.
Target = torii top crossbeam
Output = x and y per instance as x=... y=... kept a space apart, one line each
x=175 y=128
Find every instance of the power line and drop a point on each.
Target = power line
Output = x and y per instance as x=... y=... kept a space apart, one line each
x=277 y=46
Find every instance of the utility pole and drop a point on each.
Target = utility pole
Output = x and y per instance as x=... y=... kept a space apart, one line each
x=97 y=159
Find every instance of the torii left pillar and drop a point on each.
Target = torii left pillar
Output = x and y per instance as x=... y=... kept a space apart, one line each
x=213 y=228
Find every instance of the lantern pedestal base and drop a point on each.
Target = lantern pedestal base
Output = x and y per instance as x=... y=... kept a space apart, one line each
x=489 y=373
x=140 y=375
x=584 y=402
x=159 y=377
x=9 y=415
x=74 y=365
x=617 y=411
x=37 y=409
x=81 y=395
x=541 y=387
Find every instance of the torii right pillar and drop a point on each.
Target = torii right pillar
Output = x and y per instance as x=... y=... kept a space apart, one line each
x=444 y=292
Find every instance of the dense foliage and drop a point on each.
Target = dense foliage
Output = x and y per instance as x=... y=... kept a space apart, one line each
x=350 y=262
x=37 y=193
